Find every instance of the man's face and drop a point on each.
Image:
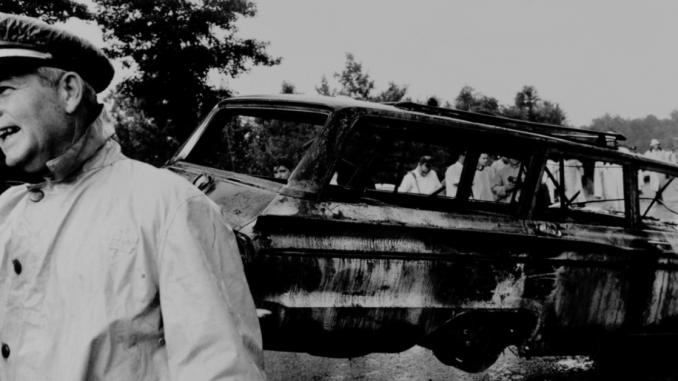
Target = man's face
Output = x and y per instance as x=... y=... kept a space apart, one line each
x=482 y=160
x=33 y=124
x=425 y=169
x=281 y=172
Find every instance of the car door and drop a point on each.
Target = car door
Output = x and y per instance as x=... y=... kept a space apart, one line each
x=600 y=271
x=375 y=261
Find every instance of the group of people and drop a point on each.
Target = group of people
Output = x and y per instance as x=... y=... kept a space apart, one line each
x=499 y=181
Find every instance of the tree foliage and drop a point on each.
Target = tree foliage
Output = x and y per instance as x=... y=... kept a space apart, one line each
x=394 y=93
x=354 y=83
x=527 y=106
x=471 y=100
x=174 y=45
x=288 y=88
x=640 y=131
x=48 y=11
x=358 y=85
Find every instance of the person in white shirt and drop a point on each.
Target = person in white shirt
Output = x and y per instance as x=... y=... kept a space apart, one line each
x=608 y=184
x=574 y=170
x=499 y=164
x=482 y=181
x=453 y=174
x=657 y=180
x=508 y=182
x=421 y=180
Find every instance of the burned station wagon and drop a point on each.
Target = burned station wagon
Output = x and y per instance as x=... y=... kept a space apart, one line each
x=343 y=262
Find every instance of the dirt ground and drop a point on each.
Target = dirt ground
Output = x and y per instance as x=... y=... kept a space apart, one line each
x=420 y=364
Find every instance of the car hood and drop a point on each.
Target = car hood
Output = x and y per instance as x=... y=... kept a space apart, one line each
x=242 y=198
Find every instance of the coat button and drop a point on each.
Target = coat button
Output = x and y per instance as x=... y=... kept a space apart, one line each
x=5 y=350
x=17 y=266
x=37 y=195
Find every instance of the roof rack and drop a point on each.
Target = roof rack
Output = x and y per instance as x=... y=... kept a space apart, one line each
x=596 y=138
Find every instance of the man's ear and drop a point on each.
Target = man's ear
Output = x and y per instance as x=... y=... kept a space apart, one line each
x=71 y=87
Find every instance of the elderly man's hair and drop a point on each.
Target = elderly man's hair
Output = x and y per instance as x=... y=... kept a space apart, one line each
x=50 y=76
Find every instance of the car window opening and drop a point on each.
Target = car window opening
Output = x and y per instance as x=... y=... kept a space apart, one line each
x=263 y=143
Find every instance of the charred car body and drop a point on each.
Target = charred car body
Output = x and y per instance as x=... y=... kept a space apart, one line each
x=342 y=264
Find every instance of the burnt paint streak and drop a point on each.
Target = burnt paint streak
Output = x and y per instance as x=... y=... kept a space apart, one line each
x=438 y=265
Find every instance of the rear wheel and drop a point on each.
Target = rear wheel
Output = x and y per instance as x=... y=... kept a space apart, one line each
x=474 y=340
x=470 y=345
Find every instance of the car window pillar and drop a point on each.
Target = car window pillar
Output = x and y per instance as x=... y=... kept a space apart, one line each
x=467 y=175
x=535 y=169
x=631 y=201
x=530 y=184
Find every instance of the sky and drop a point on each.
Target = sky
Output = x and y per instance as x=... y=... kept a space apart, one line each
x=591 y=57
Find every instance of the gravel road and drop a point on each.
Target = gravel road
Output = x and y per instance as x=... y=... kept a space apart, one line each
x=420 y=364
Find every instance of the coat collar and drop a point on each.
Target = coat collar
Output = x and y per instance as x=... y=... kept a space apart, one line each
x=82 y=155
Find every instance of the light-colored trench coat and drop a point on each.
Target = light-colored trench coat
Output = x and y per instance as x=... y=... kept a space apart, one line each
x=115 y=270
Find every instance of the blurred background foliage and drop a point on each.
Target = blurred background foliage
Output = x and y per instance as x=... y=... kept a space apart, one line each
x=173 y=46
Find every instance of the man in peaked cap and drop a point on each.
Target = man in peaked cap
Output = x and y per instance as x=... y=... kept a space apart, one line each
x=110 y=269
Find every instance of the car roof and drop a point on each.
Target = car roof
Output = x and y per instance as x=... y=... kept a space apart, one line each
x=563 y=136
x=334 y=103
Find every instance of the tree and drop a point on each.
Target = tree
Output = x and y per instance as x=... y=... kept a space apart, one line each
x=471 y=100
x=394 y=93
x=288 y=88
x=674 y=115
x=353 y=82
x=527 y=101
x=358 y=85
x=48 y=11
x=173 y=45
x=433 y=102
x=529 y=106
x=324 y=88
x=639 y=131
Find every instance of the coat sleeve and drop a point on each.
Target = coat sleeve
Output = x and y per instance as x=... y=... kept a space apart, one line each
x=210 y=322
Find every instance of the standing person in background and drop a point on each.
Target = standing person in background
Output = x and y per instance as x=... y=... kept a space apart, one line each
x=421 y=180
x=608 y=184
x=657 y=180
x=574 y=170
x=507 y=182
x=110 y=269
x=453 y=174
x=498 y=164
x=482 y=180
